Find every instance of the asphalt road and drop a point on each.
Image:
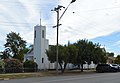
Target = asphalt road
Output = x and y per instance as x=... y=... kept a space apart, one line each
x=86 y=78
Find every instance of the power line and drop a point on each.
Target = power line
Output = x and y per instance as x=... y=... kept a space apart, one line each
x=99 y=9
x=19 y=24
x=19 y=1
x=14 y=25
x=16 y=4
x=19 y=4
x=24 y=7
x=14 y=22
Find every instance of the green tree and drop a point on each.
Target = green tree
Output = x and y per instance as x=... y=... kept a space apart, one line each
x=51 y=53
x=62 y=57
x=99 y=55
x=5 y=54
x=16 y=45
x=117 y=60
x=78 y=53
x=2 y=66
x=30 y=66
x=67 y=54
x=82 y=57
x=110 y=54
x=71 y=54
x=87 y=52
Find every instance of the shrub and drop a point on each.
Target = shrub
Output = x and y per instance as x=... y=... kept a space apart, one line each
x=30 y=66
x=2 y=65
x=13 y=66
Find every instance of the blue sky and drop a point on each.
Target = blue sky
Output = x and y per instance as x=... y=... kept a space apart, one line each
x=110 y=42
x=96 y=20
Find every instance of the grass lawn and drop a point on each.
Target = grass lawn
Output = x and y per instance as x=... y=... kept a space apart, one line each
x=21 y=75
x=42 y=74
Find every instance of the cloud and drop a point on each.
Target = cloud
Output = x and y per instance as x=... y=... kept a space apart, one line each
x=21 y=16
x=92 y=18
x=88 y=19
x=117 y=44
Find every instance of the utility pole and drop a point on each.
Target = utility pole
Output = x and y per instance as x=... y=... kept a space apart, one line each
x=58 y=19
x=57 y=10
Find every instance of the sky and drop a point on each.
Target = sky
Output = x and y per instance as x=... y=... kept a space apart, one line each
x=95 y=20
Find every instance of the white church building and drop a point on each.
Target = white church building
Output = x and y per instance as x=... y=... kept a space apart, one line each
x=37 y=53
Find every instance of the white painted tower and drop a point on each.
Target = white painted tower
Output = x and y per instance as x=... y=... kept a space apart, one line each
x=40 y=47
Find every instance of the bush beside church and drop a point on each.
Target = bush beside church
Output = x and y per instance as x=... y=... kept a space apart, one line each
x=15 y=66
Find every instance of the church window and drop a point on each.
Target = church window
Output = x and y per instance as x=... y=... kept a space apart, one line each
x=35 y=34
x=42 y=60
x=43 y=34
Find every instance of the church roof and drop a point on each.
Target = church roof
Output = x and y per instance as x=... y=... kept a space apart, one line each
x=30 y=52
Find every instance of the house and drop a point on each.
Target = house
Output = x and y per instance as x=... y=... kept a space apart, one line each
x=110 y=60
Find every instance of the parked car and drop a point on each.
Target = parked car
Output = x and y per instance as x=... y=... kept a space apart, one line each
x=106 y=68
x=115 y=65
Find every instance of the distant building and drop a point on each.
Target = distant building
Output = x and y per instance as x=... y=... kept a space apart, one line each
x=110 y=60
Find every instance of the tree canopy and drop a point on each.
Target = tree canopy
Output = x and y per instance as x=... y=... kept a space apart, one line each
x=88 y=51
x=78 y=53
x=16 y=45
x=117 y=60
x=110 y=54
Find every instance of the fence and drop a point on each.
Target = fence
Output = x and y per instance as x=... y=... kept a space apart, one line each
x=17 y=70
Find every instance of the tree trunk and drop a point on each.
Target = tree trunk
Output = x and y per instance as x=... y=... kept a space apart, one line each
x=81 y=67
x=88 y=66
x=62 y=70
x=64 y=67
x=78 y=66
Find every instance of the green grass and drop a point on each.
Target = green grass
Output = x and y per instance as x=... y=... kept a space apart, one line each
x=20 y=75
x=42 y=74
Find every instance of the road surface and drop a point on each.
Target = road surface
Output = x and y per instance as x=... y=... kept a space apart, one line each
x=86 y=78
